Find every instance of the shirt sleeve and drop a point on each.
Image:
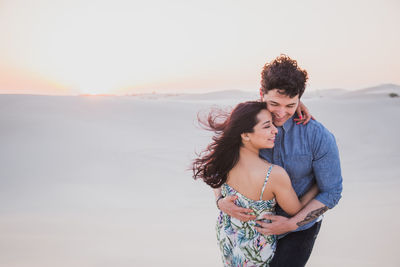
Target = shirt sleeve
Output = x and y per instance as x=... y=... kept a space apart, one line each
x=326 y=167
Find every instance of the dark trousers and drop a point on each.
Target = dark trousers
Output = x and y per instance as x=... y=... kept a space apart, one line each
x=294 y=249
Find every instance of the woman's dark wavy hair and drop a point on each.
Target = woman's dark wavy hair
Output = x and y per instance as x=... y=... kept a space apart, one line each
x=283 y=73
x=214 y=163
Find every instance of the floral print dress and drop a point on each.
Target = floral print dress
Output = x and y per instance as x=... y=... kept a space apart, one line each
x=240 y=243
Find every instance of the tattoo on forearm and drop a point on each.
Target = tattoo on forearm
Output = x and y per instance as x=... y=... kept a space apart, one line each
x=312 y=215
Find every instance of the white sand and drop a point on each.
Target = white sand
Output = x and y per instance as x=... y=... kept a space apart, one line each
x=103 y=181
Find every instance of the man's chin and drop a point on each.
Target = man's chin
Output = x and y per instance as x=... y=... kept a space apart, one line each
x=279 y=122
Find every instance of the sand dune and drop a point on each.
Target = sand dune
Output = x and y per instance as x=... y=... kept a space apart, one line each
x=103 y=181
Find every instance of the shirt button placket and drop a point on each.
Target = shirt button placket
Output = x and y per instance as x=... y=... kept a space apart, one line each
x=277 y=148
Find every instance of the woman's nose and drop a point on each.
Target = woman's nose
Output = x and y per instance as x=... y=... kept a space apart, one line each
x=274 y=129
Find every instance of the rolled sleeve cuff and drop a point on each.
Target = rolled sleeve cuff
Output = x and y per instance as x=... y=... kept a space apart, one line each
x=329 y=199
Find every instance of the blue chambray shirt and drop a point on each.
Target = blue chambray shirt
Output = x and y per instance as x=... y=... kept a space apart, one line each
x=310 y=155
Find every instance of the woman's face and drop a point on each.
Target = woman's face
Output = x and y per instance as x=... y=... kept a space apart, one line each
x=263 y=135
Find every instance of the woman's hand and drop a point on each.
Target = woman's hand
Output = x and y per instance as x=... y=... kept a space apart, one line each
x=228 y=206
x=303 y=113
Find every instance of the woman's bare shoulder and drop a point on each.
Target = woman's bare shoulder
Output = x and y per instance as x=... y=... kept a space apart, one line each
x=277 y=172
x=260 y=169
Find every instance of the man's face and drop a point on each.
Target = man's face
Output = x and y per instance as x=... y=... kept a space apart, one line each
x=281 y=106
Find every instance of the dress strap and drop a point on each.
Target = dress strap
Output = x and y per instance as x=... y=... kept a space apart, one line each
x=265 y=182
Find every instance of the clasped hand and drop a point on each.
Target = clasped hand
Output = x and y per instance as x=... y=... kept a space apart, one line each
x=278 y=225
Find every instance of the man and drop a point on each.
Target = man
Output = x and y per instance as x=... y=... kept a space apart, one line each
x=308 y=153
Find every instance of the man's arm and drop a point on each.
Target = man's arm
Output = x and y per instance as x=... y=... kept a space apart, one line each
x=313 y=214
x=280 y=225
x=228 y=206
x=326 y=168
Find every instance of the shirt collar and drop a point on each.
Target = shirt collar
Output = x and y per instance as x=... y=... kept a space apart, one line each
x=288 y=124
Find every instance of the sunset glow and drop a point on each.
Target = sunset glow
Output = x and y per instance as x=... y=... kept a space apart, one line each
x=95 y=47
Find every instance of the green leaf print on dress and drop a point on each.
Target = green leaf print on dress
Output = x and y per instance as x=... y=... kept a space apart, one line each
x=239 y=242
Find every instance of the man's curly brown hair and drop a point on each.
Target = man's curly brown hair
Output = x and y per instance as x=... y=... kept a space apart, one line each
x=283 y=73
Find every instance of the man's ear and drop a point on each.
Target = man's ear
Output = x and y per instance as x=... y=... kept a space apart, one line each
x=245 y=137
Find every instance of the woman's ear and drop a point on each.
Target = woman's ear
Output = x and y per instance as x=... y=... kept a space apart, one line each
x=245 y=137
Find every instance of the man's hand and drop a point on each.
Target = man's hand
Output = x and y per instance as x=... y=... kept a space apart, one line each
x=303 y=113
x=228 y=206
x=279 y=225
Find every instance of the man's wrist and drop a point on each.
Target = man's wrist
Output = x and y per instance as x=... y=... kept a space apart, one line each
x=218 y=199
x=291 y=224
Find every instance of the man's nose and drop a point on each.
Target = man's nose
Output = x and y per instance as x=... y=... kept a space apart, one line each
x=280 y=112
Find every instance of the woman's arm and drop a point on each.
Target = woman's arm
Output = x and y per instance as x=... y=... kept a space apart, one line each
x=304 y=115
x=285 y=195
x=217 y=192
x=283 y=191
x=310 y=195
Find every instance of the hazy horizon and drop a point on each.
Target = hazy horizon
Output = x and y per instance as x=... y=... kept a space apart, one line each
x=308 y=91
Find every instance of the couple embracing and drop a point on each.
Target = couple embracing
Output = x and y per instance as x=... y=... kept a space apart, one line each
x=274 y=173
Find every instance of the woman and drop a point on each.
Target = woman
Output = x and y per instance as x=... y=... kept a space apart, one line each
x=231 y=162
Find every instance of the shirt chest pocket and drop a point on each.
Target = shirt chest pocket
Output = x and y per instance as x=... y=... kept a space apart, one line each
x=298 y=166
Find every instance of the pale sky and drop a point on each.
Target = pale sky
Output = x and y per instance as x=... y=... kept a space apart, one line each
x=121 y=47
